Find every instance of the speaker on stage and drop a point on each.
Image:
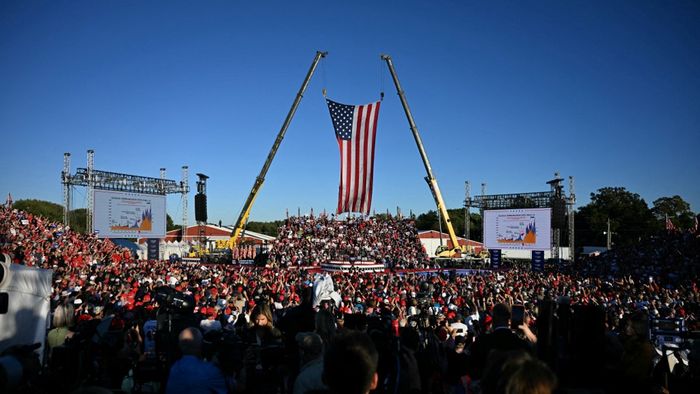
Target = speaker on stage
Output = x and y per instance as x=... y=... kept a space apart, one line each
x=559 y=213
x=200 y=207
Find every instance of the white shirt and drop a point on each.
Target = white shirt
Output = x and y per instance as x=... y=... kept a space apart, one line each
x=210 y=325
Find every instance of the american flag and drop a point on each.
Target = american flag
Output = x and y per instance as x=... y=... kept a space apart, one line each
x=356 y=130
x=669 y=225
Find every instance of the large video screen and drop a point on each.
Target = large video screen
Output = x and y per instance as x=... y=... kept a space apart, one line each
x=518 y=229
x=128 y=215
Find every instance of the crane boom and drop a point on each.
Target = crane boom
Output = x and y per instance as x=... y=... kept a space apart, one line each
x=430 y=179
x=245 y=212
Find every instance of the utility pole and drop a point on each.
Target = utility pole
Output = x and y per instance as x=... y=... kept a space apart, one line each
x=609 y=243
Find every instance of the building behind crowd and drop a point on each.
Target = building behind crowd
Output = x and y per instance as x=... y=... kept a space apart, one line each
x=213 y=236
x=431 y=239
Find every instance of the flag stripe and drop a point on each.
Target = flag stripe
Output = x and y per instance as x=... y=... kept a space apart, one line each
x=356 y=128
x=356 y=137
x=365 y=157
x=341 y=187
x=372 y=130
x=346 y=187
x=365 y=164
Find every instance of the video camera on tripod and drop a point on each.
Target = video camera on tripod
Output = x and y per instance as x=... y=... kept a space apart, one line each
x=664 y=332
x=174 y=301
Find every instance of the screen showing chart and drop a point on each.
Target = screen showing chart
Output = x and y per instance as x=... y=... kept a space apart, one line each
x=518 y=229
x=128 y=215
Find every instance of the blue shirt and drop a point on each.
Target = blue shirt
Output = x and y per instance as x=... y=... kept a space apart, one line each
x=190 y=375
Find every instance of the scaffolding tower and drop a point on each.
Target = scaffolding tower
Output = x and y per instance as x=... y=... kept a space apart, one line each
x=563 y=208
x=105 y=180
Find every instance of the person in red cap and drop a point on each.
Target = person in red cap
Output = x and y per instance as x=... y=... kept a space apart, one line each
x=210 y=322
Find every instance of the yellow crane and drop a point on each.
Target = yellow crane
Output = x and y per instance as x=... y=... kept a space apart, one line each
x=245 y=212
x=456 y=250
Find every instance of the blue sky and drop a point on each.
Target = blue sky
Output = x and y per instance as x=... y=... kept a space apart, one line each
x=505 y=93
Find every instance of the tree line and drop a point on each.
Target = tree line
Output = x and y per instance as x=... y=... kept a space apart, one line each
x=630 y=218
x=76 y=217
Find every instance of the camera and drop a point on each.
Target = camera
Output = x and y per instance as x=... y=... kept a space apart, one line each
x=173 y=300
x=667 y=331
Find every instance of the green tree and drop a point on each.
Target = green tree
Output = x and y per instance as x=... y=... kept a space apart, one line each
x=427 y=221
x=78 y=220
x=381 y=216
x=267 y=228
x=46 y=209
x=54 y=212
x=169 y=225
x=630 y=218
x=476 y=227
x=676 y=209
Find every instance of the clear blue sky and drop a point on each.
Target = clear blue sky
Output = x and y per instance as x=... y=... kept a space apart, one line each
x=503 y=92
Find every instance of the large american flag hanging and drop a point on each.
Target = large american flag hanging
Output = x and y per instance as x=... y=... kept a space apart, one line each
x=355 y=129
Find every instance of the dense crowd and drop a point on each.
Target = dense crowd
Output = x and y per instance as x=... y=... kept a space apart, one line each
x=280 y=330
x=36 y=241
x=305 y=240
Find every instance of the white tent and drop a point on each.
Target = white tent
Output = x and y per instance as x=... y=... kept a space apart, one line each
x=29 y=292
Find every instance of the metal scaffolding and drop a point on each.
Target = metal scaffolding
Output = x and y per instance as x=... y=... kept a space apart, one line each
x=105 y=180
x=65 y=181
x=510 y=201
x=562 y=208
x=90 y=188
x=571 y=203
x=184 y=189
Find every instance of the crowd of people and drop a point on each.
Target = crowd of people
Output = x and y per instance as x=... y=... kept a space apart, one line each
x=308 y=240
x=36 y=241
x=151 y=325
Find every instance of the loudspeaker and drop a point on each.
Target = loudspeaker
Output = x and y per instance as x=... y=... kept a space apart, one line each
x=200 y=207
x=559 y=213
